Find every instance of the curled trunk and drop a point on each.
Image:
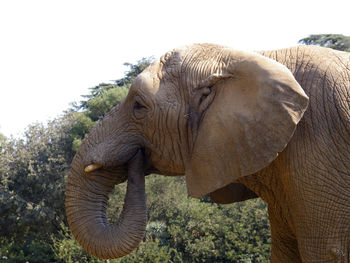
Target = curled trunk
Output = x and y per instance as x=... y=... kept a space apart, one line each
x=86 y=204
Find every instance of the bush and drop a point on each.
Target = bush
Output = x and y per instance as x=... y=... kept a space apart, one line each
x=31 y=251
x=183 y=229
x=193 y=230
x=151 y=251
x=67 y=250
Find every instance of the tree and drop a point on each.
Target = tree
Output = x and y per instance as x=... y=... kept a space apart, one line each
x=2 y=137
x=184 y=229
x=335 y=41
x=105 y=96
x=134 y=70
x=32 y=180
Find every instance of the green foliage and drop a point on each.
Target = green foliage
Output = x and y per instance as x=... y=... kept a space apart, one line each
x=32 y=180
x=2 y=138
x=82 y=125
x=335 y=41
x=193 y=231
x=67 y=250
x=35 y=251
x=109 y=95
x=134 y=70
x=100 y=105
x=105 y=96
x=149 y=252
x=183 y=229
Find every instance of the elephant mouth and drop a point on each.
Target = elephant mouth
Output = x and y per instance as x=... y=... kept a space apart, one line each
x=120 y=170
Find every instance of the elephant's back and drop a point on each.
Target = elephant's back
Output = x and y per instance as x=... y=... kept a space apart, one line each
x=314 y=66
x=324 y=74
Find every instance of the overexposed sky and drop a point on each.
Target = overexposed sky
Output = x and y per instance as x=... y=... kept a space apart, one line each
x=51 y=52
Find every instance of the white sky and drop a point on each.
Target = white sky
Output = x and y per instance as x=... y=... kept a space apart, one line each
x=51 y=52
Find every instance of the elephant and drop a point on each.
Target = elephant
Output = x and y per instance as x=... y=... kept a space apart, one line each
x=238 y=125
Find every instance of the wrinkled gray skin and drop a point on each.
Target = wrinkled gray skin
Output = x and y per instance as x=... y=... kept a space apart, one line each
x=307 y=187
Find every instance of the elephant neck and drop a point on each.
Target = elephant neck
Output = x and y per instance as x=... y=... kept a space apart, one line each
x=261 y=183
x=270 y=186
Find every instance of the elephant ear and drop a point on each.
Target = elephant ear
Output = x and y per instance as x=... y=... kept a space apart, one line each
x=234 y=192
x=254 y=114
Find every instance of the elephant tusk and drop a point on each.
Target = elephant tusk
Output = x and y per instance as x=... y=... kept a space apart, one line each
x=92 y=167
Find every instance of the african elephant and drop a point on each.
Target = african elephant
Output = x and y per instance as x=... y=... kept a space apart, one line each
x=273 y=124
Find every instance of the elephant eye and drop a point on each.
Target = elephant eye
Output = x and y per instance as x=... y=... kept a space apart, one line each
x=202 y=98
x=138 y=106
x=139 y=110
x=205 y=93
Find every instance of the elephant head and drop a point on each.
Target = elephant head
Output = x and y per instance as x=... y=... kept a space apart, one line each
x=205 y=111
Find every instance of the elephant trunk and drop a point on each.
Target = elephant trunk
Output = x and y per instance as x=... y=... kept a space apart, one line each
x=86 y=203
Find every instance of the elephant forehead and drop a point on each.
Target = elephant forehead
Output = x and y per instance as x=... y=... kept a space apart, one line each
x=146 y=82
